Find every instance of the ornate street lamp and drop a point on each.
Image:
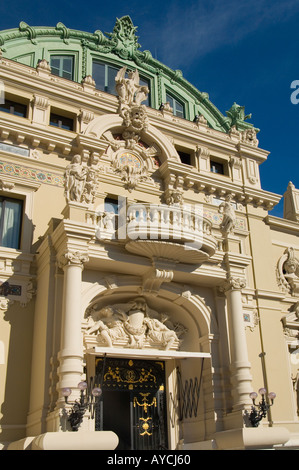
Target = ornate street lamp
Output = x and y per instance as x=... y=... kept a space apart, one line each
x=258 y=412
x=88 y=400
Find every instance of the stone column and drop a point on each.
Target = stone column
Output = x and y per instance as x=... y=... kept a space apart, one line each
x=240 y=366
x=71 y=352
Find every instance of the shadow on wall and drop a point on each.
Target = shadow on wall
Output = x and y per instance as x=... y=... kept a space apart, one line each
x=17 y=318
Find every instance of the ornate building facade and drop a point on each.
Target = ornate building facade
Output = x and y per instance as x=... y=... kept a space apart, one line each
x=146 y=291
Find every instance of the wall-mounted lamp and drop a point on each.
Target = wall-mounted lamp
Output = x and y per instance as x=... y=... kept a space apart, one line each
x=4 y=288
x=88 y=399
x=258 y=412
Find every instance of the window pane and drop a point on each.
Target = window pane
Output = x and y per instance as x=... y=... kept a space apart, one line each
x=169 y=99
x=61 y=121
x=68 y=64
x=55 y=64
x=67 y=75
x=111 y=205
x=178 y=108
x=19 y=110
x=110 y=85
x=14 y=108
x=217 y=168
x=145 y=82
x=11 y=217
x=98 y=74
x=185 y=158
x=62 y=66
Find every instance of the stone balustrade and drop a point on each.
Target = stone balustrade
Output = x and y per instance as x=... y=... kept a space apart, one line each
x=158 y=224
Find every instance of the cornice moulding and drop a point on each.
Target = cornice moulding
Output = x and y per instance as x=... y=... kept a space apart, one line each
x=261 y=197
x=257 y=153
x=46 y=135
x=283 y=224
x=66 y=90
x=266 y=294
x=16 y=181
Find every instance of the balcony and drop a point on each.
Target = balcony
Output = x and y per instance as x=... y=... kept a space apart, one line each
x=160 y=231
x=173 y=232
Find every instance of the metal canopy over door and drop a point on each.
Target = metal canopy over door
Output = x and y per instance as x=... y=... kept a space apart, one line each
x=133 y=402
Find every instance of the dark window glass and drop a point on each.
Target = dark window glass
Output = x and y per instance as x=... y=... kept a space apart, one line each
x=62 y=66
x=12 y=107
x=177 y=106
x=10 y=222
x=185 y=158
x=104 y=76
x=62 y=122
x=111 y=205
x=217 y=168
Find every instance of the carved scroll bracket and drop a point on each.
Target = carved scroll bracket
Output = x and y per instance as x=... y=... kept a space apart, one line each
x=161 y=271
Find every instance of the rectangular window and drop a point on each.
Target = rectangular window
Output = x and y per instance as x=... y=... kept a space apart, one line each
x=176 y=105
x=185 y=157
x=62 y=65
x=111 y=205
x=10 y=222
x=61 y=121
x=217 y=167
x=104 y=76
x=18 y=109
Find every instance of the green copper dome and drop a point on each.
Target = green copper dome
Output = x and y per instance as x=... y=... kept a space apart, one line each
x=76 y=54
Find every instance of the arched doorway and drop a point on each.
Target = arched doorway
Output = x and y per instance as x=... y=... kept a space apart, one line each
x=156 y=406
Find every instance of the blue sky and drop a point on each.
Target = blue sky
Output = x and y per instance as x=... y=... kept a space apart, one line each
x=243 y=51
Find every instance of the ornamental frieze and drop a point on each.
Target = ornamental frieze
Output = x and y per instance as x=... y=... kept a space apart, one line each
x=31 y=174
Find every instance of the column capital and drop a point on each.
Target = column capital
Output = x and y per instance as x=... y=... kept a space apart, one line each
x=233 y=283
x=73 y=258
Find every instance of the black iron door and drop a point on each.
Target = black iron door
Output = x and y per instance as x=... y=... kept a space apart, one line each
x=133 y=402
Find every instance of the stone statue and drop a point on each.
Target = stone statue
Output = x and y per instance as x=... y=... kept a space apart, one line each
x=159 y=333
x=75 y=177
x=80 y=181
x=237 y=115
x=128 y=89
x=133 y=326
x=291 y=270
x=110 y=327
x=130 y=95
x=229 y=217
x=288 y=272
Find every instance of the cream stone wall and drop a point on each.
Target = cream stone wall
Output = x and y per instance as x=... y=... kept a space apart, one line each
x=230 y=302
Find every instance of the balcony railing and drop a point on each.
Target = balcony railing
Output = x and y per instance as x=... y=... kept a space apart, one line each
x=177 y=232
